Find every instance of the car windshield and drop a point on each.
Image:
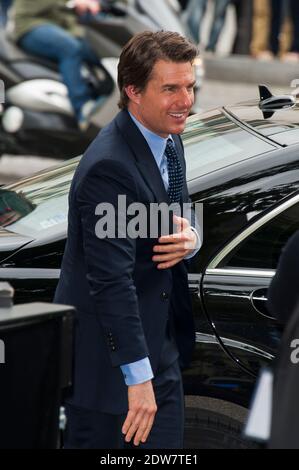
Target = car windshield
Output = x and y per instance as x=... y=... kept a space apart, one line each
x=213 y=141
x=37 y=207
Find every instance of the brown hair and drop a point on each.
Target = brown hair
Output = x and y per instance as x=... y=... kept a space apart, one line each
x=141 y=53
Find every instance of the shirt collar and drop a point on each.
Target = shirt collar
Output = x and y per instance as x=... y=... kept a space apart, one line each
x=156 y=143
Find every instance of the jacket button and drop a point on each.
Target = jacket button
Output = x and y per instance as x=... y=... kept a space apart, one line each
x=165 y=296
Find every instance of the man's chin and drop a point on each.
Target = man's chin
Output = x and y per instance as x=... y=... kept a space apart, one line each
x=178 y=129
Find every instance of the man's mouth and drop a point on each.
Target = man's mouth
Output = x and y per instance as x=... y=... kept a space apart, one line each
x=179 y=115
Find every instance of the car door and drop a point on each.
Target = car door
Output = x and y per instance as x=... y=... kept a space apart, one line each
x=234 y=286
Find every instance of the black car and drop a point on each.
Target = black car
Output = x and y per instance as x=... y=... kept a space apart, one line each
x=245 y=170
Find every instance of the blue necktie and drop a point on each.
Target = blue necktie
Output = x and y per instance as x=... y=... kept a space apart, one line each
x=175 y=173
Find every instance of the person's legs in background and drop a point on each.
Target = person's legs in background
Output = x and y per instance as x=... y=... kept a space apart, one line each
x=220 y=8
x=4 y=8
x=244 y=14
x=54 y=43
x=294 y=15
x=277 y=13
x=259 y=46
x=183 y=4
x=194 y=13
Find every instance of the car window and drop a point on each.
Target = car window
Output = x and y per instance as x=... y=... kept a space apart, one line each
x=214 y=142
x=262 y=249
x=38 y=206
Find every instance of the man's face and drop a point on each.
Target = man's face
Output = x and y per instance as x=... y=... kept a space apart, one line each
x=164 y=105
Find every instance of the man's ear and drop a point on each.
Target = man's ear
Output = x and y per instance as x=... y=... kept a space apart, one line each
x=133 y=93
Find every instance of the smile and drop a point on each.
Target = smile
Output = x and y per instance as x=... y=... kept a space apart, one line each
x=177 y=115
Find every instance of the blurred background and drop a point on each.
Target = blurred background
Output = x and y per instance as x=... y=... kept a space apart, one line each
x=242 y=43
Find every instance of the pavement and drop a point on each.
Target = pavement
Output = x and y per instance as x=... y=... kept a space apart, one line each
x=216 y=93
x=244 y=69
x=228 y=80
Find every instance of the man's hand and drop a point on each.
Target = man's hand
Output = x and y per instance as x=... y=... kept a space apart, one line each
x=173 y=248
x=141 y=414
x=83 y=6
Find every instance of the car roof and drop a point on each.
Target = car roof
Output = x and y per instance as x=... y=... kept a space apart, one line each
x=282 y=127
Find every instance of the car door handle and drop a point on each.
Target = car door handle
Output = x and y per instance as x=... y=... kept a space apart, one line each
x=258 y=300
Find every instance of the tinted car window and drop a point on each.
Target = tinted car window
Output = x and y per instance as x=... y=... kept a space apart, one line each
x=38 y=206
x=214 y=142
x=262 y=249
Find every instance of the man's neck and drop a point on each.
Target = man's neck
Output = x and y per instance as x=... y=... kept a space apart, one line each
x=144 y=124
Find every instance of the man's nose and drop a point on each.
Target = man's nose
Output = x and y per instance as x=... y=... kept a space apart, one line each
x=186 y=98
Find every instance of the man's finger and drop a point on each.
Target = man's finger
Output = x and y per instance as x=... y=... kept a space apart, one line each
x=128 y=421
x=148 y=429
x=170 y=256
x=174 y=238
x=144 y=428
x=131 y=432
x=141 y=430
x=138 y=426
x=169 y=264
x=135 y=423
x=171 y=247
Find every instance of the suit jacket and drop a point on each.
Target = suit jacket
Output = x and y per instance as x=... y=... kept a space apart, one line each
x=285 y=411
x=283 y=303
x=124 y=303
x=283 y=291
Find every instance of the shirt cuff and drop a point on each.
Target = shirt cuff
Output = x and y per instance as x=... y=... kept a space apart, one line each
x=198 y=244
x=137 y=372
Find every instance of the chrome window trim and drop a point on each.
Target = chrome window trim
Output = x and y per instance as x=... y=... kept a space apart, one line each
x=230 y=343
x=241 y=272
x=29 y=273
x=194 y=277
x=194 y=280
x=250 y=230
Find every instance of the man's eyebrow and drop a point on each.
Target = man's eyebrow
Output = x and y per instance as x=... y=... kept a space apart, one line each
x=170 y=85
x=175 y=85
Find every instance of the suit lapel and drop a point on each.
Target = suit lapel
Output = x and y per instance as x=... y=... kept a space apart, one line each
x=180 y=151
x=143 y=156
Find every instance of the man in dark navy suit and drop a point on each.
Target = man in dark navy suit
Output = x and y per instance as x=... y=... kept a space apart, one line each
x=134 y=321
x=283 y=304
x=283 y=295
